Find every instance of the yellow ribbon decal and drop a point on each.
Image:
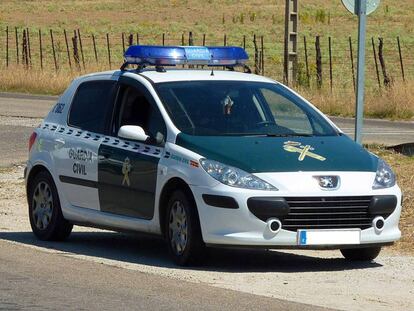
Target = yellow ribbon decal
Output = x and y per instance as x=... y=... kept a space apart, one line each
x=126 y=168
x=292 y=146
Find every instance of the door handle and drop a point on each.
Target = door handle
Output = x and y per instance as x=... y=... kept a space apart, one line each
x=106 y=154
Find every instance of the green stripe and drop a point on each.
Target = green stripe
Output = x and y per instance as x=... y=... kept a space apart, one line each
x=267 y=154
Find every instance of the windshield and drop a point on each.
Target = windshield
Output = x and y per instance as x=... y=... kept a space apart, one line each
x=240 y=108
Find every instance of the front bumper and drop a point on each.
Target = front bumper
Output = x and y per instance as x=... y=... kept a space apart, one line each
x=239 y=227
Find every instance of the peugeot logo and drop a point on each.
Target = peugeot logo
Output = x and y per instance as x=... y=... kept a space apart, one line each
x=328 y=182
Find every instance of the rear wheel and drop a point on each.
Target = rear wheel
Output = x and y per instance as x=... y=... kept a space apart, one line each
x=45 y=214
x=183 y=231
x=361 y=254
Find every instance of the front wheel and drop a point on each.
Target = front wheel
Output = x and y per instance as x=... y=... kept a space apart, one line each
x=361 y=254
x=183 y=231
x=45 y=214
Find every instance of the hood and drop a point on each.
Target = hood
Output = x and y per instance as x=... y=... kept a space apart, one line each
x=255 y=154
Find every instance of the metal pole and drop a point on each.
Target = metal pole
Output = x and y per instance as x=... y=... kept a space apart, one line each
x=362 y=15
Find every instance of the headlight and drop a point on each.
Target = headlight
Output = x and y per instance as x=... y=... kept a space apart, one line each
x=385 y=177
x=234 y=177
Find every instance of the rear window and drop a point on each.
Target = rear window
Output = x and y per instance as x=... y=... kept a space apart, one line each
x=91 y=105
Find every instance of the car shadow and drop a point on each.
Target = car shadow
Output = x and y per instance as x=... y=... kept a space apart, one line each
x=150 y=251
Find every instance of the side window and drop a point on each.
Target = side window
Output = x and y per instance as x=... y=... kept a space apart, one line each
x=286 y=113
x=134 y=108
x=91 y=105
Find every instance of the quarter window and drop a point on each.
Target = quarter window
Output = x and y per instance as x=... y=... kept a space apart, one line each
x=91 y=105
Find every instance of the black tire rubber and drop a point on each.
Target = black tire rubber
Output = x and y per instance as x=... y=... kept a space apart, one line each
x=58 y=228
x=194 y=251
x=361 y=254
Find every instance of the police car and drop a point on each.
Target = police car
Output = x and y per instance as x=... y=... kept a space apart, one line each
x=205 y=156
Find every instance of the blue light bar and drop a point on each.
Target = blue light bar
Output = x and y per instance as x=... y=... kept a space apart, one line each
x=176 y=55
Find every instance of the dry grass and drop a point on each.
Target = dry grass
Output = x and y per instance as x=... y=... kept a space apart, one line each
x=395 y=102
x=18 y=79
x=404 y=168
x=211 y=16
x=33 y=81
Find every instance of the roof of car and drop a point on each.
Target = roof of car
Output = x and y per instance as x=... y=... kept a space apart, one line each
x=176 y=74
x=171 y=75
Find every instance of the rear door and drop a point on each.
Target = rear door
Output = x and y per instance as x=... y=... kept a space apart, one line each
x=127 y=170
x=78 y=142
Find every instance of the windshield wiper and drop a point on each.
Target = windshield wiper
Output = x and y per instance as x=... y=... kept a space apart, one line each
x=269 y=134
x=289 y=135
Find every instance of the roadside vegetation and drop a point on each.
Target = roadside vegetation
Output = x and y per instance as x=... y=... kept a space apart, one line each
x=238 y=21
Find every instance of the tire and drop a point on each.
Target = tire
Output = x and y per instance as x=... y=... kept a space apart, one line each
x=182 y=228
x=45 y=213
x=361 y=254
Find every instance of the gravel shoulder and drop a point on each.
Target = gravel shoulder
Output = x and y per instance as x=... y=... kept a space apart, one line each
x=319 y=278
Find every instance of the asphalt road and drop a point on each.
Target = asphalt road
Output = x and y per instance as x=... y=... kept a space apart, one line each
x=19 y=113
x=34 y=280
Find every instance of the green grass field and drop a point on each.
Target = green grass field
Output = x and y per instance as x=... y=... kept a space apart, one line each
x=215 y=19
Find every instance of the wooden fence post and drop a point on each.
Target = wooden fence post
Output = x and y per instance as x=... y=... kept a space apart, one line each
x=318 y=62
x=244 y=41
x=137 y=38
x=67 y=48
x=256 y=55
x=182 y=39
x=7 y=46
x=28 y=46
x=75 y=49
x=387 y=80
x=225 y=40
x=40 y=50
x=17 y=45
x=330 y=63
x=401 y=59
x=352 y=61
x=53 y=49
x=123 y=42
x=81 y=48
x=376 y=63
x=25 y=59
x=262 y=55
x=190 y=38
x=163 y=39
x=109 y=50
x=94 y=48
x=306 y=61
x=130 y=39
x=204 y=39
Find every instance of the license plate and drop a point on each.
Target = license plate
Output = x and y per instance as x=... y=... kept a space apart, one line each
x=328 y=237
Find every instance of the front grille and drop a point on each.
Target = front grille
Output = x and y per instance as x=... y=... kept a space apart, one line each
x=328 y=213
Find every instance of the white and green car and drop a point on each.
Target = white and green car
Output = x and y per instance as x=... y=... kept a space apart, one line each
x=205 y=157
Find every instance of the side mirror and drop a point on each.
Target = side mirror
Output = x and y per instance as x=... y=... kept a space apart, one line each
x=132 y=132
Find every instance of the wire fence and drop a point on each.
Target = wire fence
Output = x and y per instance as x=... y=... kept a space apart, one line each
x=324 y=61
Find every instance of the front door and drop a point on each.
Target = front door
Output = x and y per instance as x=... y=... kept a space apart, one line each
x=127 y=170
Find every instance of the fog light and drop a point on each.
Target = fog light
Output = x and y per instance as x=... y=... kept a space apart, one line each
x=274 y=225
x=378 y=223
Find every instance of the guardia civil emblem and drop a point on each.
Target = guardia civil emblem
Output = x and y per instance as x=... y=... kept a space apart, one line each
x=126 y=169
x=303 y=150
